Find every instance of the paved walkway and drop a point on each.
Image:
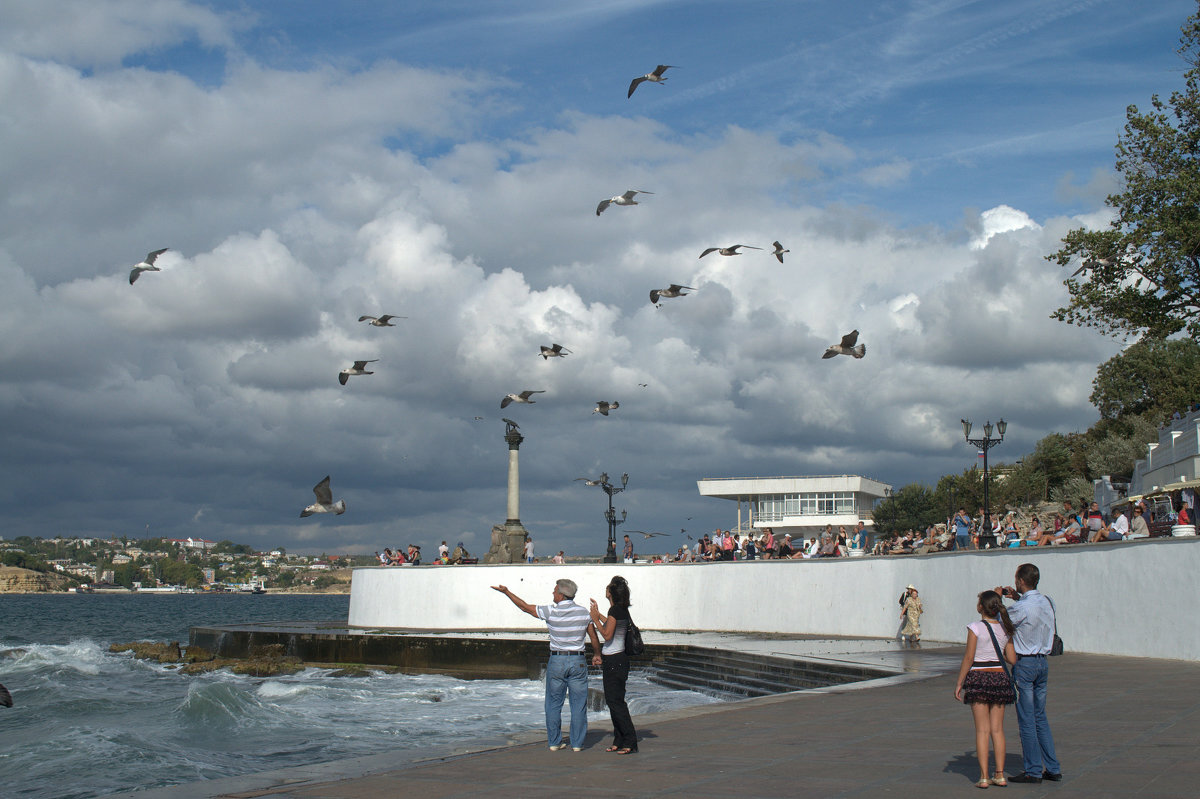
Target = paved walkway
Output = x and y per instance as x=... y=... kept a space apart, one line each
x=1123 y=727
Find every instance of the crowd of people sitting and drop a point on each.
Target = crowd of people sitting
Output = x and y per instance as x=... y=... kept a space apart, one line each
x=726 y=545
x=412 y=556
x=1067 y=526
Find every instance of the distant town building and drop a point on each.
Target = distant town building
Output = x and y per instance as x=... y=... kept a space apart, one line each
x=801 y=506
x=1173 y=462
x=193 y=543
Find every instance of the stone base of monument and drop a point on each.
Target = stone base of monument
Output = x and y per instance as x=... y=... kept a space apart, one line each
x=508 y=543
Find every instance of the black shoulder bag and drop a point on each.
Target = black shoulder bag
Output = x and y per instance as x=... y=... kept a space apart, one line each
x=1056 y=647
x=633 y=639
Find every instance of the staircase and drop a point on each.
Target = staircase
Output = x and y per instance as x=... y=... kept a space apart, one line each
x=731 y=675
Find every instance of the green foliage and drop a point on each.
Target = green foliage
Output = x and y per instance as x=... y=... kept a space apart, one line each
x=913 y=507
x=1150 y=377
x=324 y=581
x=1142 y=275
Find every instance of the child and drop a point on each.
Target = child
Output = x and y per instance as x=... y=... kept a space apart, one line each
x=984 y=684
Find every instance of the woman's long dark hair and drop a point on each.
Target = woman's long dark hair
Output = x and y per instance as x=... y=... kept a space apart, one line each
x=993 y=606
x=618 y=590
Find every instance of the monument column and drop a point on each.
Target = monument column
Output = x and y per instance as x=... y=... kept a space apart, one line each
x=508 y=540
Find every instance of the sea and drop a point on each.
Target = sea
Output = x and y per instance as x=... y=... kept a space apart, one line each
x=86 y=722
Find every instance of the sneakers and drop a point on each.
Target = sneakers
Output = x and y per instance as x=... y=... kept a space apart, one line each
x=576 y=748
x=556 y=747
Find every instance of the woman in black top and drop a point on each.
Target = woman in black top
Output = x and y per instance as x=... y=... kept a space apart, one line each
x=614 y=663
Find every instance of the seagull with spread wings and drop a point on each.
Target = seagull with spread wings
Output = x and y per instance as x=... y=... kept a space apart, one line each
x=779 y=251
x=380 y=321
x=846 y=347
x=146 y=265
x=654 y=77
x=553 y=351
x=604 y=406
x=675 y=290
x=643 y=532
x=324 y=503
x=730 y=250
x=523 y=397
x=620 y=199
x=359 y=368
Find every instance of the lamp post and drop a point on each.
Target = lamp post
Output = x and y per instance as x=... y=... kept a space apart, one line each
x=985 y=443
x=890 y=493
x=610 y=515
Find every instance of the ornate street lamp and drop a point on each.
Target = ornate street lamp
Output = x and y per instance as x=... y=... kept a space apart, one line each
x=610 y=515
x=890 y=493
x=985 y=443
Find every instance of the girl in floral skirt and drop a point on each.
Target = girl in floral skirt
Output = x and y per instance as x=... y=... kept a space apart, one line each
x=984 y=684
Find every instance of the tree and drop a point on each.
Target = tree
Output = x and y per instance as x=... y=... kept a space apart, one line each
x=1151 y=377
x=1142 y=274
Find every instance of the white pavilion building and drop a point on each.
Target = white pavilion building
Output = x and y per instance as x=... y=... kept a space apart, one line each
x=801 y=506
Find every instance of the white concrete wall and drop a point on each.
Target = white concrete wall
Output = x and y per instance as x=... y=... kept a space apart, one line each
x=1120 y=599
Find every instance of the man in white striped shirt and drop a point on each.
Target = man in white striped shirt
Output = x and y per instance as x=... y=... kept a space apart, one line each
x=566 y=672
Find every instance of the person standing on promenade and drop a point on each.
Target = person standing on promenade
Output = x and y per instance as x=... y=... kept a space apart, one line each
x=614 y=662
x=628 y=551
x=1033 y=617
x=910 y=611
x=962 y=530
x=528 y=548
x=566 y=671
x=983 y=682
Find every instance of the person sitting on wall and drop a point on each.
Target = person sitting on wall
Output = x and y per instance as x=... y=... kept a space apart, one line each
x=459 y=554
x=1138 y=527
x=785 y=547
x=385 y=559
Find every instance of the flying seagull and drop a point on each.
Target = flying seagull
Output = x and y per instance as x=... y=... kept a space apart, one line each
x=381 y=321
x=643 y=385
x=730 y=250
x=524 y=396
x=146 y=265
x=620 y=199
x=675 y=290
x=847 y=347
x=654 y=77
x=604 y=406
x=479 y=418
x=587 y=481
x=324 y=503
x=643 y=532
x=5 y=697
x=359 y=368
x=553 y=351
x=779 y=251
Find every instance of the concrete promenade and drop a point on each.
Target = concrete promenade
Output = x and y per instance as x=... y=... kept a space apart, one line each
x=1123 y=727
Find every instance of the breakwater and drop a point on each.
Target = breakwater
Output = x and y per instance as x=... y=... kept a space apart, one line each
x=1117 y=599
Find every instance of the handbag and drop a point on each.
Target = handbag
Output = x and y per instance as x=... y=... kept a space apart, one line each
x=1000 y=654
x=1056 y=647
x=633 y=639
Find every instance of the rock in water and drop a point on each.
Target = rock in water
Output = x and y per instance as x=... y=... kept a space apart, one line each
x=5 y=697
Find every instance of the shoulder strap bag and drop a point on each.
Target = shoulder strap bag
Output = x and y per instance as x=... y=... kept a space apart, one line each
x=1000 y=653
x=1056 y=647
x=633 y=639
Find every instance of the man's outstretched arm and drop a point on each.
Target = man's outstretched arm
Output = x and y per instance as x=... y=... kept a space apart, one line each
x=516 y=600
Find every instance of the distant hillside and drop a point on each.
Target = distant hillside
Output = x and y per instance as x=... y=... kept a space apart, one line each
x=14 y=580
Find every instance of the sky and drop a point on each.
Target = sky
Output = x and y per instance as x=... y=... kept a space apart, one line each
x=308 y=163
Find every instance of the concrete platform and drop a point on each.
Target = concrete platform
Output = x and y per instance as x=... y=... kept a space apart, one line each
x=1123 y=727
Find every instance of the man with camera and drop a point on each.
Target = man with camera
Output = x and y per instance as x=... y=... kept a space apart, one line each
x=1033 y=616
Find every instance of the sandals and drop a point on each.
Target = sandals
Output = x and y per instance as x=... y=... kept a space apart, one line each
x=999 y=780
x=612 y=749
x=625 y=750
x=983 y=783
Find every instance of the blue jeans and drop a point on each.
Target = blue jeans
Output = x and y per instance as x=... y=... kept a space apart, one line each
x=962 y=541
x=566 y=673
x=1037 y=744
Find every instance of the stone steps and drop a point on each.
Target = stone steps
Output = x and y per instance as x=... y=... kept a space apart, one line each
x=738 y=675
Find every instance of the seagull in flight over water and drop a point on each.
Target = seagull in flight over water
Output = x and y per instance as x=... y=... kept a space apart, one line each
x=359 y=368
x=654 y=77
x=146 y=265
x=324 y=503
x=730 y=250
x=846 y=347
x=524 y=397
x=620 y=199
